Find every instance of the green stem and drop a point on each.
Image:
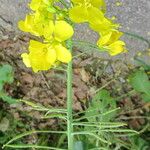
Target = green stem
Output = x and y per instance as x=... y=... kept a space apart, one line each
x=88 y=44
x=69 y=100
x=137 y=37
x=23 y=146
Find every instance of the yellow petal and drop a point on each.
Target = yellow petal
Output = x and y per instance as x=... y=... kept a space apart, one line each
x=42 y=16
x=109 y=38
x=38 y=62
x=62 y=31
x=21 y=25
x=26 y=60
x=116 y=48
x=41 y=57
x=115 y=35
x=104 y=40
x=36 y=47
x=29 y=26
x=78 y=14
x=42 y=60
x=37 y=29
x=95 y=15
x=100 y=25
x=35 y=4
x=48 y=30
x=77 y=1
x=63 y=54
x=26 y=25
x=99 y=4
x=104 y=26
x=51 y=55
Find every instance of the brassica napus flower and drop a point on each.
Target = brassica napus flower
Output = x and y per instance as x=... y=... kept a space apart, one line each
x=59 y=30
x=43 y=56
x=104 y=26
x=111 y=43
x=47 y=21
x=36 y=23
x=86 y=10
x=37 y=4
x=41 y=13
x=42 y=23
x=28 y=25
x=91 y=11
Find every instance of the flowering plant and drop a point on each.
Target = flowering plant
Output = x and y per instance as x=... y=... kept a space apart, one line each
x=52 y=22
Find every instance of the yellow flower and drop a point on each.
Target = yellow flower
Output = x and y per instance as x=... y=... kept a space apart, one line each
x=111 y=42
x=38 y=4
x=35 y=22
x=35 y=4
x=63 y=54
x=86 y=10
x=116 y=48
x=103 y=26
x=109 y=38
x=62 y=31
x=59 y=30
x=40 y=57
x=42 y=16
x=29 y=26
x=43 y=56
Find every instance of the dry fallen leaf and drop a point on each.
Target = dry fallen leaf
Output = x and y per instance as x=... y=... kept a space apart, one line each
x=84 y=75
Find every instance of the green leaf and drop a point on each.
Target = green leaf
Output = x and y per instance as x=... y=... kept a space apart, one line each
x=6 y=74
x=102 y=103
x=79 y=145
x=62 y=139
x=142 y=63
x=140 y=82
x=138 y=143
x=1 y=86
x=7 y=98
x=4 y=124
x=101 y=109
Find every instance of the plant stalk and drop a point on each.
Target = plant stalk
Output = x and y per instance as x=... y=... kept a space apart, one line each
x=69 y=100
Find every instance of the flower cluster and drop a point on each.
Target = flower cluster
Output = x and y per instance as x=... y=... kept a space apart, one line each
x=46 y=23
x=48 y=20
x=93 y=12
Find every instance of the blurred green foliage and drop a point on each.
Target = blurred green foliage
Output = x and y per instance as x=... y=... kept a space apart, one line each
x=6 y=77
x=140 y=82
